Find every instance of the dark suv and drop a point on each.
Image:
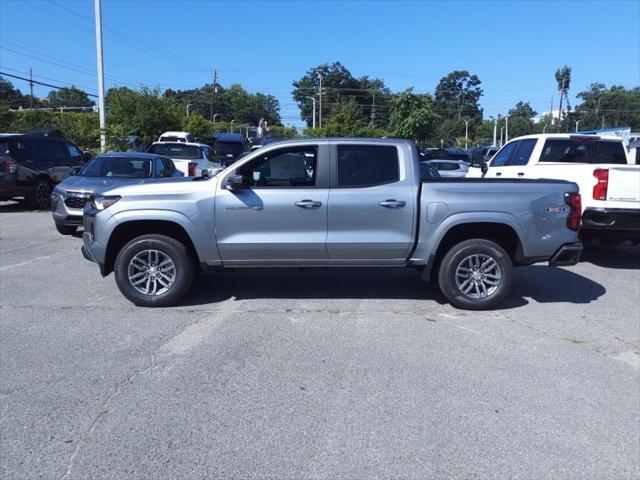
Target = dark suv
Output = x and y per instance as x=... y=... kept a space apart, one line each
x=228 y=147
x=31 y=165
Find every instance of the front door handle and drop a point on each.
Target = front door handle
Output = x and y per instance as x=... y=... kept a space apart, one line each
x=392 y=203
x=521 y=174
x=308 y=204
x=498 y=174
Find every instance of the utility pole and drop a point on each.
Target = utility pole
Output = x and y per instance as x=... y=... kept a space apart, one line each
x=213 y=94
x=501 y=132
x=313 y=121
x=560 y=107
x=320 y=94
x=30 y=88
x=103 y=133
x=373 y=110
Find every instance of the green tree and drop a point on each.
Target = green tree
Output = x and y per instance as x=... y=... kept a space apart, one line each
x=521 y=120
x=144 y=112
x=458 y=94
x=413 y=116
x=69 y=97
x=339 y=86
x=10 y=96
x=614 y=107
x=197 y=125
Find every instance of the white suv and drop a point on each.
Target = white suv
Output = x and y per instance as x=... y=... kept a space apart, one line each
x=176 y=137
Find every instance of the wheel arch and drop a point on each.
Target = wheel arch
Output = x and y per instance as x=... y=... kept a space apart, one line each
x=124 y=232
x=500 y=233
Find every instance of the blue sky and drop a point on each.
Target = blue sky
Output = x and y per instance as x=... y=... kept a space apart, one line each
x=514 y=47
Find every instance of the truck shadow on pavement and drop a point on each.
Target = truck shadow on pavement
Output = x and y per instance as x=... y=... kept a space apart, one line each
x=540 y=283
x=624 y=257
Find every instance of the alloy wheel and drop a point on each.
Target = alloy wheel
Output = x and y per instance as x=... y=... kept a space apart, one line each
x=478 y=276
x=151 y=272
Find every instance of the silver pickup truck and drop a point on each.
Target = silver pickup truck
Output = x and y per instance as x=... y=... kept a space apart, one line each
x=331 y=203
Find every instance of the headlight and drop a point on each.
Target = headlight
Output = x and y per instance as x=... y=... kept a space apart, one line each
x=59 y=191
x=100 y=202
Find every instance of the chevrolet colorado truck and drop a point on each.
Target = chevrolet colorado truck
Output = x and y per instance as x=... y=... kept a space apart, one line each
x=599 y=165
x=356 y=203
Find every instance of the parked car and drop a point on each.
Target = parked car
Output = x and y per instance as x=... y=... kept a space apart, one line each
x=108 y=169
x=184 y=137
x=610 y=186
x=446 y=154
x=484 y=153
x=31 y=165
x=192 y=159
x=428 y=172
x=450 y=168
x=228 y=147
x=331 y=203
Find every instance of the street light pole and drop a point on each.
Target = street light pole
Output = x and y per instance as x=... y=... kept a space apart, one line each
x=313 y=99
x=466 y=134
x=577 y=123
x=189 y=105
x=495 y=131
x=103 y=133
x=506 y=129
x=232 y=121
x=214 y=117
x=320 y=111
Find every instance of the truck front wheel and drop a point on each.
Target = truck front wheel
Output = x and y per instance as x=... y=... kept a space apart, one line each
x=154 y=271
x=475 y=274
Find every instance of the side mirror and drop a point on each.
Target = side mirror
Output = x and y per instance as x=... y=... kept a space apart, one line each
x=76 y=170
x=481 y=164
x=235 y=182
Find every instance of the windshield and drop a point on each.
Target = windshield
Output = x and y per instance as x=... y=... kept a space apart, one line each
x=118 y=167
x=175 y=150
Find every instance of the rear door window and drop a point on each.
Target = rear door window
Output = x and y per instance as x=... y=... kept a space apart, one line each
x=503 y=156
x=523 y=153
x=53 y=151
x=560 y=150
x=367 y=165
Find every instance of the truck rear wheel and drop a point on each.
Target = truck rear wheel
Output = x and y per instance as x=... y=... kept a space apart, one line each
x=154 y=271
x=475 y=274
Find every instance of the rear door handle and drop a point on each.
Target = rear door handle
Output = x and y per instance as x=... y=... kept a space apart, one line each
x=521 y=174
x=308 y=204
x=498 y=174
x=392 y=203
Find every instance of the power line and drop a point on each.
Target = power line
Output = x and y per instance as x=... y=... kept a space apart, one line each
x=42 y=83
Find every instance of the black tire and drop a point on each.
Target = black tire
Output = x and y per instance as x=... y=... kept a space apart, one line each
x=459 y=256
x=40 y=197
x=66 y=229
x=167 y=246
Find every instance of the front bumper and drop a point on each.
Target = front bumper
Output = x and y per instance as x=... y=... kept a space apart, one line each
x=621 y=219
x=92 y=249
x=567 y=255
x=66 y=208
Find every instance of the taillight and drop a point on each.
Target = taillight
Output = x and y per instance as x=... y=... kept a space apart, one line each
x=11 y=166
x=600 y=188
x=575 y=216
x=192 y=169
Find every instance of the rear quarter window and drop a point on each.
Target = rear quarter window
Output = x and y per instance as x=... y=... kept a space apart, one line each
x=610 y=152
x=579 y=151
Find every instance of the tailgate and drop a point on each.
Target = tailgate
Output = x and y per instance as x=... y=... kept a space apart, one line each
x=624 y=185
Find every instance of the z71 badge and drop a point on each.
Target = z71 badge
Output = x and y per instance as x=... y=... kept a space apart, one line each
x=555 y=209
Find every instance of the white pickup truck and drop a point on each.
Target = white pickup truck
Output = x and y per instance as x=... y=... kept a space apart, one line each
x=609 y=183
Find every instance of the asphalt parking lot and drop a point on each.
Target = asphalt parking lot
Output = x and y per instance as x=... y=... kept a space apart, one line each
x=314 y=374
